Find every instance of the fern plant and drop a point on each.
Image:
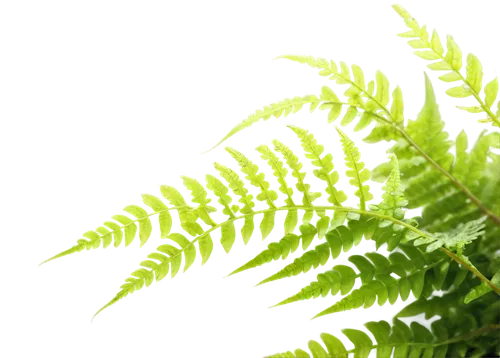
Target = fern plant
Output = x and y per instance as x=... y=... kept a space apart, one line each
x=452 y=247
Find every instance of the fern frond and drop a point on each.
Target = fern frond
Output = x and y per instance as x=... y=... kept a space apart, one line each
x=280 y=172
x=128 y=227
x=456 y=239
x=428 y=128
x=159 y=270
x=276 y=110
x=358 y=173
x=289 y=243
x=385 y=288
x=199 y=197
x=314 y=151
x=339 y=239
x=187 y=215
x=238 y=188
x=375 y=106
x=293 y=162
x=452 y=61
x=254 y=177
x=401 y=340
x=258 y=179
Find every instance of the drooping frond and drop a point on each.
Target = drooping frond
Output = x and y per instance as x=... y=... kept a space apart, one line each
x=336 y=240
x=289 y=243
x=126 y=228
x=168 y=258
x=276 y=110
x=392 y=279
x=452 y=62
x=338 y=236
x=446 y=339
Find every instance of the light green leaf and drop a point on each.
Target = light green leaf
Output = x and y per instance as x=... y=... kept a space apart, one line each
x=491 y=91
x=450 y=77
x=206 y=245
x=291 y=221
x=454 y=55
x=472 y=109
x=189 y=250
x=382 y=94
x=397 y=107
x=459 y=92
x=267 y=224
x=228 y=235
x=482 y=289
x=164 y=217
x=144 y=222
x=362 y=343
x=474 y=71
x=440 y=66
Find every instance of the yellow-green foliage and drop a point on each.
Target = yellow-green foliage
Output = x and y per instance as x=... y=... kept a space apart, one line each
x=452 y=247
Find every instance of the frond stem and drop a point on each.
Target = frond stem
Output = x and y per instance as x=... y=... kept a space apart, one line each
x=471 y=334
x=352 y=210
x=472 y=269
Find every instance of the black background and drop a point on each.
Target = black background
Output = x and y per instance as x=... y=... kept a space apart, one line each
x=131 y=93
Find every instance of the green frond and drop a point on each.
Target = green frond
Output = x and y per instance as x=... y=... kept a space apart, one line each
x=428 y=128
x=452 y=62
x=456 y=239
x=165 y=261
x=358 y=173
x=279 y=171
x=340 y=279
x=288 y=244
x=338 y=239
x=199 y=195
x=420 y=276
x=187 y=215
x=372 y=99
x=238 y=188
x=393 y=197
x=401 y=340
x=276 y=110
x=450 y=247
x=314 y=151
x=254 y=177
x=126 y=228
x=293 y=163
